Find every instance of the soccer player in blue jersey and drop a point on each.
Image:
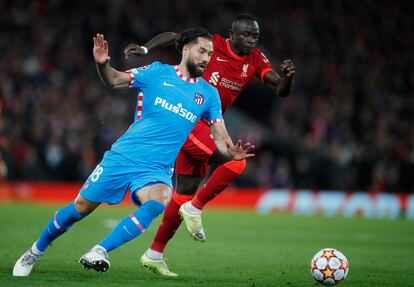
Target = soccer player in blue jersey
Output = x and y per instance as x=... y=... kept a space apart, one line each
x=171 y=99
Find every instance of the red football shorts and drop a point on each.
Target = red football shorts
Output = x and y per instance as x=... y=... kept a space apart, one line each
x=195 y=153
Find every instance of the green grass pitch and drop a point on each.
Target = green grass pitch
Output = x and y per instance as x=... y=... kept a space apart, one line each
x=242 y=249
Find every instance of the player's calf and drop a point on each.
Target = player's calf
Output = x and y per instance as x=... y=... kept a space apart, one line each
x=221 y=178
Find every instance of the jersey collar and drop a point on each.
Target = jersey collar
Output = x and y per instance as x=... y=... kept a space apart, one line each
x=189 y=80
x=231 y=52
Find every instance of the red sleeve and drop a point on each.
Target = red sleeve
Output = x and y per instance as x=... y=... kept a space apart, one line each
x=262 y=65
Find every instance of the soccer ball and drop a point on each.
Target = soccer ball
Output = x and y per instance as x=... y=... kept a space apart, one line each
x=329 y=267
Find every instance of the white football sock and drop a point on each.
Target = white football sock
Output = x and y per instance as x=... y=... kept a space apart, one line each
x=35 y=250
x=97 y=246
x=191 y=208
x=154 y=254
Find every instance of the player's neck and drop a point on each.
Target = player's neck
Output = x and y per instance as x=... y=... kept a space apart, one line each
x=235 y=50
x=184 y=70
x=181 y=75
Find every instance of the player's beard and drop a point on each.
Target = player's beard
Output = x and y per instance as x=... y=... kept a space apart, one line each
x=194 y=71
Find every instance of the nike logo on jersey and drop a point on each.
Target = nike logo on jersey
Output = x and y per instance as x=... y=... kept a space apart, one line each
x=221 y=60
x=168 y=85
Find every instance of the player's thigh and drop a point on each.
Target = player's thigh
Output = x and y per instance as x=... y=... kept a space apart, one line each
x=189 y=172
x=107 y=183
x=194 y=156
x=151 y=184
x=187 y=184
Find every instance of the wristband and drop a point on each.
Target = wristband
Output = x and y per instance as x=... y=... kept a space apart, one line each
x=145 y=49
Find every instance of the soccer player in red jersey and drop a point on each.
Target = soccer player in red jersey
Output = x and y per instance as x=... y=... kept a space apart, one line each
x=234 y=63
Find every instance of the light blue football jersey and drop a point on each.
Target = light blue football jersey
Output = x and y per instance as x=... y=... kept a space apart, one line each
x=169 y=105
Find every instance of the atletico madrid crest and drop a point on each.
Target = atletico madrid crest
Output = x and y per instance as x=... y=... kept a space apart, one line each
x=199 y=99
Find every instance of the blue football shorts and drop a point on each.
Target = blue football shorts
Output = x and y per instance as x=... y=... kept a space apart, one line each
x=116 y=174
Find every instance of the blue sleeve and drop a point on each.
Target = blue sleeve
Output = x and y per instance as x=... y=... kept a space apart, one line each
x=213 y=113
x=140 y=77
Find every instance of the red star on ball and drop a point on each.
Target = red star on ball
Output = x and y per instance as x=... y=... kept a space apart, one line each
x=328 y=273
x=328 y=253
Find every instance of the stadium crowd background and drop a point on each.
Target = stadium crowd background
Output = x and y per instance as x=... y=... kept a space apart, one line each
x=348 y=125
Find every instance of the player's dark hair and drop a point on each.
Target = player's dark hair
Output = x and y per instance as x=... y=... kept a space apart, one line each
x=190 y=36
x=244 y=16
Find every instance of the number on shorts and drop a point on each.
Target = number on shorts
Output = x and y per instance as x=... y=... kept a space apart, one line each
x=96 y=173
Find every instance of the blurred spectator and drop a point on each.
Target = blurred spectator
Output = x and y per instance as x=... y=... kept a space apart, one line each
x=3 y=168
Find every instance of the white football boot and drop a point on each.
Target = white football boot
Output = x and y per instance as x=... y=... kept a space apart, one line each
x=96 y=259
x=193 y=223
x=158 y=266
x=25 y=264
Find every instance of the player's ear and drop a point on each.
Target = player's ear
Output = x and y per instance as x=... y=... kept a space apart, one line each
x=186 y=50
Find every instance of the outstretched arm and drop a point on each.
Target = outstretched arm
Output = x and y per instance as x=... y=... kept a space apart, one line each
x=282 y=86
x=225 y=145
x=109 y=76
x=159 y=41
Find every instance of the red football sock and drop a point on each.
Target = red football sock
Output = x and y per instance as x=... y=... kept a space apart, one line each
x=170 y=222
x=219 y=180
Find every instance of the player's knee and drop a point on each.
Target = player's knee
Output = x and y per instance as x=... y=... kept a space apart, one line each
x=162 y=196
x=188 y=189
x=236 y=166
x=166 y=198
x=188 y=185
x=158 y=192
x=84 y=206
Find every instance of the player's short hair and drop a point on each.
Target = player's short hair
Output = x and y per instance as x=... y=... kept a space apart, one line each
x=245 y=16
x=190 y=36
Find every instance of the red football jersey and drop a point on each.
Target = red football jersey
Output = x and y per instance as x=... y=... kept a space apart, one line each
x=229 y=73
